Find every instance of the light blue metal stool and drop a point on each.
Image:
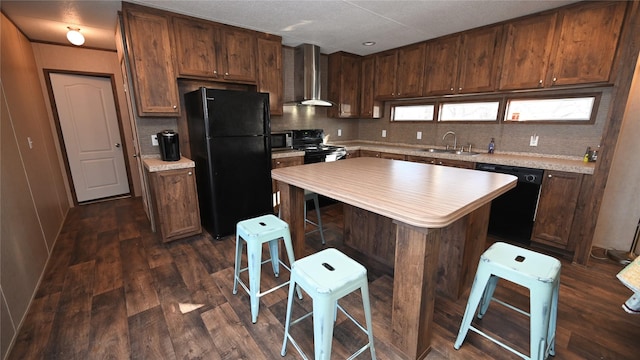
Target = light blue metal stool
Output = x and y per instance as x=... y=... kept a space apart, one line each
x=537 y=272
x=326 y=277
x=255 y=232
x=310 y=195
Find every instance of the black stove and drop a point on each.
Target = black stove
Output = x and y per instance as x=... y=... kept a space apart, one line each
x=311 y=142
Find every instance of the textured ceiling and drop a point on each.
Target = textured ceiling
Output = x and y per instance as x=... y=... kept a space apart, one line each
x=333 y=25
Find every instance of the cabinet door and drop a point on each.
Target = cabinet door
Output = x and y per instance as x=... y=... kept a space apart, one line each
x=369 y=107
x=441 y=66
x=479 y=60
x=196 y=48
x=150 y=51
x=410 y=72
x=344 y=85
x=556 y=207
x=239 y=55
x=385 y=77
x=176 y=203
x=369 y=153
x=270 y=72
x=527 y=52
x=392 y=156
x=587 y=43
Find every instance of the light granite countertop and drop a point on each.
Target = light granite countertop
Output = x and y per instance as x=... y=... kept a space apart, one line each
x=278 y=154
x=539 y=161
x=154 y=163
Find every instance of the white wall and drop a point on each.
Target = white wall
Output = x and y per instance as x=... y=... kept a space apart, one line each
x=620 y=208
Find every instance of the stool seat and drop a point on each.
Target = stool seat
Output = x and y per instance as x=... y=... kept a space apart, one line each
x=327 y=276
x=537 y=272
x=255 y=232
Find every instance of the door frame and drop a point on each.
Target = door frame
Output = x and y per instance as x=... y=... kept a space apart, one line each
x=63 y=148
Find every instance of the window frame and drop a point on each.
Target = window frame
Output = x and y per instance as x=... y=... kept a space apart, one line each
x=597 y=95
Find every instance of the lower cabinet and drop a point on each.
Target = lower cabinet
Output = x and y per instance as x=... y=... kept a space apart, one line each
x=556 y=208
x=281 y=163
x=382 y=155
x=444 y=162
x=175 y=203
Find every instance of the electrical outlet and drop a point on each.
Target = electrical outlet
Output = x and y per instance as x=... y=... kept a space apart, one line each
x=154 y=140
x=384 y=133
x=339 y=132
x=534 y=140
x=419 y=135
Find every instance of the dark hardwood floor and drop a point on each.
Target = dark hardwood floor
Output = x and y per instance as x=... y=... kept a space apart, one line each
x=112 y=290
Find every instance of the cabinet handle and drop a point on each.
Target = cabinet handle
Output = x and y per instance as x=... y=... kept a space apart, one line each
x=540 y=82
x=117 y=145
x=226 y=74
x=554 y=79
x=451 y=89
x=190 y=173
x=175 y=107
x=459 y=89
x=549 y=175
x=215 y=72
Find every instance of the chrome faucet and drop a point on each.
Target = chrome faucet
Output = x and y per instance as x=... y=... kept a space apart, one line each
x=455 y=139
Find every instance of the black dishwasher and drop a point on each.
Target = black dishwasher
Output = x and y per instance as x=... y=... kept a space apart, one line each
x=513 y=213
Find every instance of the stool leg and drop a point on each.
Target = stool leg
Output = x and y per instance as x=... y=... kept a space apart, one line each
x=236 y=270
x=540 y=308
x=364 y=290
x=487 y=296
x=477 y=290
x=551 y=336
x=319 y=217
x=287 y=323
x=275 y=259
x=254 y=256
x=289 y=248
x=322 y=327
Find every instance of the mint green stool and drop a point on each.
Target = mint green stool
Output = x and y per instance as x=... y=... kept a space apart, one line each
x=537 y=272
x=326 y=277
x=255 y=232
x=310 y=195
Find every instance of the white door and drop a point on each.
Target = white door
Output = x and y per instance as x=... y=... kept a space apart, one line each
x=89 y=123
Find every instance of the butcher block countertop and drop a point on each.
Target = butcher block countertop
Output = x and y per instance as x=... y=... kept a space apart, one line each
x=426 y=196
x=538 y=161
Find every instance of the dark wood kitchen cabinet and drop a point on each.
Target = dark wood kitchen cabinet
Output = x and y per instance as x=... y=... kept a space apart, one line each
x=444 y=162
x=571 y=46
x=587 y=42
x=527 y=51
x=465 y=63
x=556 y=208
x=205 y=49
x=270 y=71
x=370 y=108
x=175 y=203
x=344 y=85
x=150 y=50
x=400 y=72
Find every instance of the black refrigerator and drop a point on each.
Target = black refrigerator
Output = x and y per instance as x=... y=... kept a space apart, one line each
x=229 y=137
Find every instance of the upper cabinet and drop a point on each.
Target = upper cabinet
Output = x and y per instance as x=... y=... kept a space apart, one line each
x=270 y=71
x=205 y=49
x=344 y=85
x=587 y=43
x=150 y=52
x=441 y=70
x=369 y=107
x=400 y=72
x=527 y=69
x=465 y=63
x=572 y=46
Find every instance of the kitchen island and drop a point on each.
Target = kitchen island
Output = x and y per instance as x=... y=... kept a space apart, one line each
x=420 y=199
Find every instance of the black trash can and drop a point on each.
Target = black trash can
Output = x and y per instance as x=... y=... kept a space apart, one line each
x=169 y=145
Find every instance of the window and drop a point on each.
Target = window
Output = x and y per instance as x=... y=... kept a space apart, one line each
x=568 y=109
x=412 y=112
x=469 y=111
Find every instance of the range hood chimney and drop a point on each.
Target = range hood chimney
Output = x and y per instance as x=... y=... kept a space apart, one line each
x=306 y=69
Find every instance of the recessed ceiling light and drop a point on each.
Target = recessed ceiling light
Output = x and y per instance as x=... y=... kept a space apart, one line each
x=74 y=36
x=369 y=43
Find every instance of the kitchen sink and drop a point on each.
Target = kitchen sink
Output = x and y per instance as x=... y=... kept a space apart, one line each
x=431 y=150
x=468 y=153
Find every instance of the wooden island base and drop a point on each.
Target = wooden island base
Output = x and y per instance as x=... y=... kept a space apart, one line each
x=461 y=244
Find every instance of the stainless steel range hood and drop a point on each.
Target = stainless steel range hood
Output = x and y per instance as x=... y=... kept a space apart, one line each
x=307 y=84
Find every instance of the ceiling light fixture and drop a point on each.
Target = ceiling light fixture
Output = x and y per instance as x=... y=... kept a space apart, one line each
x=369 y=43
x=74 y=36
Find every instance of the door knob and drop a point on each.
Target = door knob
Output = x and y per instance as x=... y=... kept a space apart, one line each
x=117 y=145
